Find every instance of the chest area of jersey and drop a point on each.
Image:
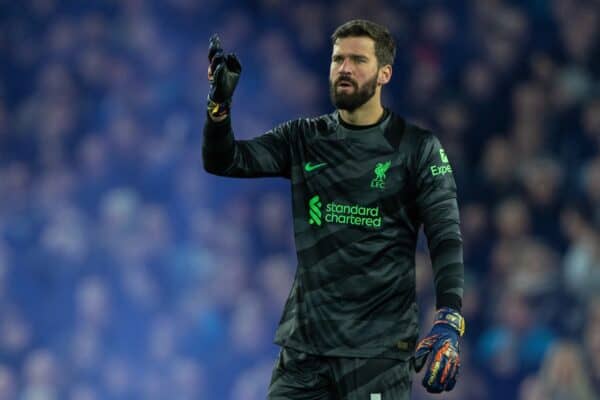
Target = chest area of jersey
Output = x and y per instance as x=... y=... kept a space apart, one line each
x=351 y=171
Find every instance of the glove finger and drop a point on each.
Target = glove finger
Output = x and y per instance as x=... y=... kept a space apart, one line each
x=445 y=372
x=422 y=352
x=450 y=384
x=420 y=361
x=450 y=380
x=454 y=374
x=439 y=368
x=233 y=63
x=453 y=358
x=217 y=74
x=217 y=61
x=432 y=378
x=426 y=344
x=214 y=46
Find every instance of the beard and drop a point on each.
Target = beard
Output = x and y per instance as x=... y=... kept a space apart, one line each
x=358 y=97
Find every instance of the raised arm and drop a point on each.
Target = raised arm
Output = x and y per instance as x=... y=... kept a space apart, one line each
x=266 y=155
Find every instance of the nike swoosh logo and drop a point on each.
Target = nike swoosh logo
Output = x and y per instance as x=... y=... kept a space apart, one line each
x=309 y=167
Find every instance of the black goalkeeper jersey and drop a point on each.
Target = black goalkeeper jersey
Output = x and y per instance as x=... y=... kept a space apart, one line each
x=359 y=198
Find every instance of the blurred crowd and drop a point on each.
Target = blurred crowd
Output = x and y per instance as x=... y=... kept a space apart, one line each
x=127 y=272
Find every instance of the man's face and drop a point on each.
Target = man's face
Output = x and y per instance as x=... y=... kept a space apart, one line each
x=353 y=72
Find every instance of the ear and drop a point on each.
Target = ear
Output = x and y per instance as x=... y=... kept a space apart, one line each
x=384 y=75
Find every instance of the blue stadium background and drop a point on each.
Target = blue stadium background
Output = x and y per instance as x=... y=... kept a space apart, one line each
x=127 y=272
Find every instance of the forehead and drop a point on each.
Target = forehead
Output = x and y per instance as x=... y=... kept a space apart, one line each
x=362 y=45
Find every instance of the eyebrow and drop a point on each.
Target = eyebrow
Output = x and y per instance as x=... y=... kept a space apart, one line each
x=351 y=55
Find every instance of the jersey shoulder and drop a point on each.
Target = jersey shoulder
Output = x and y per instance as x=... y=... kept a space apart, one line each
x=406 y=136
x=417 y=136
x=313 y=127
x=417 y=144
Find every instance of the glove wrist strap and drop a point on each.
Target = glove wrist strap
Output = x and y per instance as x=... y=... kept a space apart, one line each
x=449 y=316
x=218 y=109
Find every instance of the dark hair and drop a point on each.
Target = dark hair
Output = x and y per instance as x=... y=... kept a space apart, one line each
x=385 y=46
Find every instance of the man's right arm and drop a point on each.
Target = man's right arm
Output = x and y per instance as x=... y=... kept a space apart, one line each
x=265 y=155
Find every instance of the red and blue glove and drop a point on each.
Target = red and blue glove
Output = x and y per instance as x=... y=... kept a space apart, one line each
x=442 y=343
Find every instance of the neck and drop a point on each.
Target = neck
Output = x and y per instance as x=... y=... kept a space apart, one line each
x=367 y=114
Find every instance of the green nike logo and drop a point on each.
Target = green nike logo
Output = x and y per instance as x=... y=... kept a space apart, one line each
x=309 y=167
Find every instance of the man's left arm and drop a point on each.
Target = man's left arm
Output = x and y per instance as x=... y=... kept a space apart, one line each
x=438 y=209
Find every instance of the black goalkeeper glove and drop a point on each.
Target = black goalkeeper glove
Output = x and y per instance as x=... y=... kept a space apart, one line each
x=223 y=73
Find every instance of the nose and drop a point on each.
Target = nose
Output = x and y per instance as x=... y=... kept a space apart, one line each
x=345 y=67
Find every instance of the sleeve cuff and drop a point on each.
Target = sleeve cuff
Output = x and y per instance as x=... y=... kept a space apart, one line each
x=449 y=300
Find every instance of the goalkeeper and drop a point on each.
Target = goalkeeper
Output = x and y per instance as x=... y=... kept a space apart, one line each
x=363 y=181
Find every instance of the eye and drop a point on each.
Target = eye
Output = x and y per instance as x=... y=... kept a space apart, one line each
x=337 y=59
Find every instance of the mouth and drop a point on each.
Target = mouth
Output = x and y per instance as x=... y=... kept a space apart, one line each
x=345 y=84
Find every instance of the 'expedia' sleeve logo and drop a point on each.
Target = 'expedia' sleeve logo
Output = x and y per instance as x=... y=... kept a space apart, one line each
x=443 y=169
x=443 y=156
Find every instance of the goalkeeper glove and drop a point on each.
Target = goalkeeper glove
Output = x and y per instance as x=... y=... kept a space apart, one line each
x=442 y=342
x=223 y=75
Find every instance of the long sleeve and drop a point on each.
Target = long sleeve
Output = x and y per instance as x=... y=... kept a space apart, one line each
x=438 y=209
x=265 y=155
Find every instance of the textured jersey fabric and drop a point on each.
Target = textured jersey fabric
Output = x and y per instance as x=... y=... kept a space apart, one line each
x=359 y=198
